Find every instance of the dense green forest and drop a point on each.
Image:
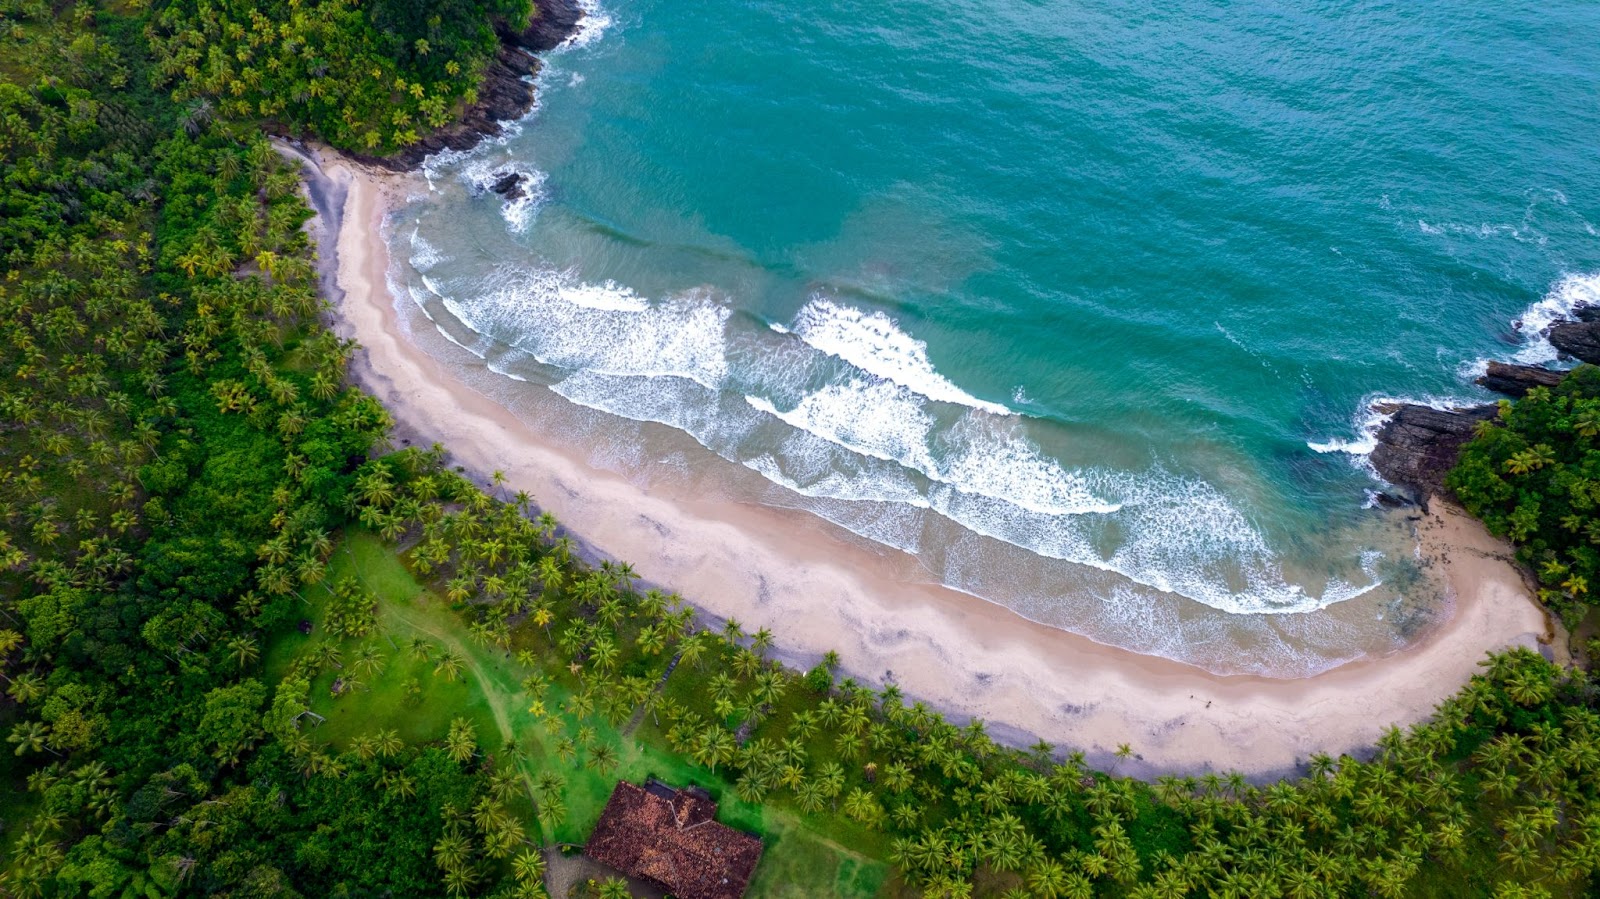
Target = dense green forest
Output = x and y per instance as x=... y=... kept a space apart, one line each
x=371 y=76
x=1534 y=476
x=247 y=650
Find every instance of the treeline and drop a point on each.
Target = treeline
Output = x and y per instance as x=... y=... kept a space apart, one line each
x=1496 y=796
x=1533 y=475
x=180 y=454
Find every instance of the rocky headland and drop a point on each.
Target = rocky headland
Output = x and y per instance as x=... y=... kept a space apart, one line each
x=506 y=92
x=1418 y=445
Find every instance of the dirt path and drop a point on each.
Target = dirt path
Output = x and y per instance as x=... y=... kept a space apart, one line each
x=498 y=699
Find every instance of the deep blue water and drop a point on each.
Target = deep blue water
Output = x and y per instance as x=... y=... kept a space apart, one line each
x=1109 y=286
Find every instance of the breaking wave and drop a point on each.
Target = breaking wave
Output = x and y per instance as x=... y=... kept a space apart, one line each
x=871 y=341
x=595 y=23
x=1562 y=300
x=844 y=405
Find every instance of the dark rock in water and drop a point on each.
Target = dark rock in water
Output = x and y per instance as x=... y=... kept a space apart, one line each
x=508 y=185
x=1580 y=340
x=1517 y=380
x=1419 y=445
x=1587 y=313
x=554 y=21
x=1388 y=500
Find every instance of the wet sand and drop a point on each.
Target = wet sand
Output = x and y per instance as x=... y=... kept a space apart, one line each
x=816 y=591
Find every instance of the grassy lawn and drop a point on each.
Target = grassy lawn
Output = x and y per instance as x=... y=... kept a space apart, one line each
x=802 y=858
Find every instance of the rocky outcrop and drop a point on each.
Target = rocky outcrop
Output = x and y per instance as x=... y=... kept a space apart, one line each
x=509 y=185
x=1517 y=380
x=553 y=22
x=506 y=93
x=1419 y=445
x=1579 y=339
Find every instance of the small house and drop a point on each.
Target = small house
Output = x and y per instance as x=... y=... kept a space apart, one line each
x=671 y=838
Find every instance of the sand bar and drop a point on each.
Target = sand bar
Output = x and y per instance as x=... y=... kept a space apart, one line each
x=785 y=571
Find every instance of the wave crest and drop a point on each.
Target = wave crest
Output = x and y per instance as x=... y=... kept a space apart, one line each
x=874 y=343
x=848 y=412
x=1559 y=303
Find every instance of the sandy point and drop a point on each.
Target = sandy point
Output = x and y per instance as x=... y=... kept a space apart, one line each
x=785 y=571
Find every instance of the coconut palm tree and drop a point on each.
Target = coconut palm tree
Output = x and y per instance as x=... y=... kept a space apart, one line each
x=762 y=642
x=461 y=743
x=692 y=651
x=388 y=743
x=602 y=758
x=30 y=736
x=243 y=651
x=812 y=797
x=26 y=687
x=369 y=660
x=448 y=666
x=528 y=866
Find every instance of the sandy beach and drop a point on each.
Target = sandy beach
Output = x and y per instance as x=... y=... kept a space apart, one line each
x=788 y=572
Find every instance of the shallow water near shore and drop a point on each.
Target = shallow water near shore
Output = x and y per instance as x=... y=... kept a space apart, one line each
x=1081 y=307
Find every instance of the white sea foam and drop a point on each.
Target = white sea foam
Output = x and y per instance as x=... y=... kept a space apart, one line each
x=439 y=165
x=859 y=433
x=1563 y=298
x=479 y=173
x=595 y=22
x=995 y=459
x=872 y=342
x=1368 y=422
x=424 y=255
x=1522 y=232
x=991 y=458
x=870 y=416
x=607 y=296
x=1177 y=535
x=829 y=483
x=673 y=401
x=600 y=327
x=520 y=212
x=1373 y=413
x=1183 y=536
x=505 y=372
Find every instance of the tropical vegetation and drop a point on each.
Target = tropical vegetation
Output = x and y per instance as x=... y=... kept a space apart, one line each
x=246 y=649
x=1533 y=474
x=371 y=76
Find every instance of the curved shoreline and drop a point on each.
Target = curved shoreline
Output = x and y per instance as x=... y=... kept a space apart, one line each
x=967 y=657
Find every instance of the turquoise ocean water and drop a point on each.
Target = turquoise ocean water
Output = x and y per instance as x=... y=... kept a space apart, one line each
x=1083 y=304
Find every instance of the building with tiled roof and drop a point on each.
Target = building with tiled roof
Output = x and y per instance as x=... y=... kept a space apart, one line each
x=671 y=838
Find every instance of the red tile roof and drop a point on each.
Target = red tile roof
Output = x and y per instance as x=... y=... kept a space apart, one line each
x=671 y=837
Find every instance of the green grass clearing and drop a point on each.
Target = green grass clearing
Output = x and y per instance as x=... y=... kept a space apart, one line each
x=407 y=695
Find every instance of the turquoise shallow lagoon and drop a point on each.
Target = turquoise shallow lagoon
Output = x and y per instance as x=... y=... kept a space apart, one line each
x=1082 y=304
